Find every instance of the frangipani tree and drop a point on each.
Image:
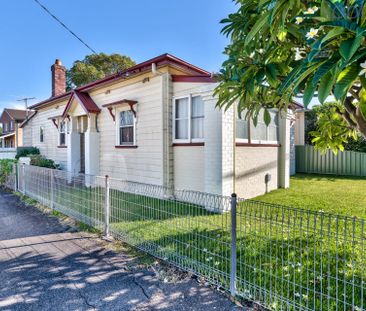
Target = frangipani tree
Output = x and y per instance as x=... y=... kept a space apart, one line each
x=285 y=48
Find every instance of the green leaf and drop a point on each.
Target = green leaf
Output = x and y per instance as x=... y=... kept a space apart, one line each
x=267 y=117
x=345 y=48
x=324 y=69
x=257 y=27
x=345 y=80
x=271 y=73
x=325 y=87
x=335 y=32
x=308 y=93
x=349 y=47
x=325 y=10
x=352 y=26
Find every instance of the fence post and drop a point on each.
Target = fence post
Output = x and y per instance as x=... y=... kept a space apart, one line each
x=106 y=207
x=233 y=256
x=15 y=177
x=23 y=175
x=51 y=190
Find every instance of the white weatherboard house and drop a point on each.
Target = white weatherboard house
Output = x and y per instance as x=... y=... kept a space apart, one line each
x=157 y=123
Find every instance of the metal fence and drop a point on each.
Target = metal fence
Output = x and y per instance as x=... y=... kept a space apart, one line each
x=280 y=257
x=346 y=163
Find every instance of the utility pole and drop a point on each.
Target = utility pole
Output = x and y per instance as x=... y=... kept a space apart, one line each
x=25 y=100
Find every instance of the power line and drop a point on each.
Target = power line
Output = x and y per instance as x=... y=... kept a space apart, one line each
x=63 y=25
x=25 y=100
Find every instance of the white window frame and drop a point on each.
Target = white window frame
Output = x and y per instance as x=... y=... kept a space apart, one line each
x=118 y=123
x=259 y=142
x=11 y=125
x=5 y=124
x=189 y=132
x=64 y=132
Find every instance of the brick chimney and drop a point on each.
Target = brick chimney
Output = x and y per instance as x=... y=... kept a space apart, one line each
x=58 y=78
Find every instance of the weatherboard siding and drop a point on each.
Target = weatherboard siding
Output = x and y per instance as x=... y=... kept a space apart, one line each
x=143 y=164
x=49 y=147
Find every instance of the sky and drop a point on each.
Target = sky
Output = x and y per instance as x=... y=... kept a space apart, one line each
x=142 y=29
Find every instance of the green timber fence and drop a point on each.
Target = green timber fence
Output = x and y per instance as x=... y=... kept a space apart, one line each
x=347 y=163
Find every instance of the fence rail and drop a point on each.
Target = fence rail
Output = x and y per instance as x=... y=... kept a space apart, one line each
x=347 y=163
x=281 y=257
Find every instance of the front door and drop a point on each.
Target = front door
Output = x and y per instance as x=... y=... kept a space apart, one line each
x=82 y=153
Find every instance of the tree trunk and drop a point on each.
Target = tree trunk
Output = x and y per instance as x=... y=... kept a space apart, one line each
x=357 y=121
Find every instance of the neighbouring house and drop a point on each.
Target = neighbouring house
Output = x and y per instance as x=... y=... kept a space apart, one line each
x=157 y=123
x=12 y=133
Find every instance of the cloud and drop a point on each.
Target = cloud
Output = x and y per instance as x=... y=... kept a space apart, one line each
x=11 y=104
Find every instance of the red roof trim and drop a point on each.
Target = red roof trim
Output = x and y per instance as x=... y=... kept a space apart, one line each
x=182 y=78
x=159 y=60
x=84 y=100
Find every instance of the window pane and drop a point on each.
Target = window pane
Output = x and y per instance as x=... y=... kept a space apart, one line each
x=62 y=127
x=197 y=127
x=258 y=132
x=126 y=118
x=273 y=129
x=273 y=133
x=126 y=135
x=181 y=129
x=242 y=129
x=197 y=107
x=62 y=139
x=181 y=108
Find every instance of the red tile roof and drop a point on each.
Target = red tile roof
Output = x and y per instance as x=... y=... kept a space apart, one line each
x=16 y=114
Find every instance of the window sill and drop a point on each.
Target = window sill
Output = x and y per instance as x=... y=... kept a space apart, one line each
x=256 y=145
x=188 y=144
x=126 y=147
x=62 y=146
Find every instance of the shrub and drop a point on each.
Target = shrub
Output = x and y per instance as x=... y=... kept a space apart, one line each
x=39 y=160
x=6 y=167
x=26 y=151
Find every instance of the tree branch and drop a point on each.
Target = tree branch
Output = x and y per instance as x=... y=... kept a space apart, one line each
x=347 y=118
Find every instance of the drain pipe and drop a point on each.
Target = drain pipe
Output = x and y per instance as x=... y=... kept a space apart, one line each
x=166 y=124
x=155 y=70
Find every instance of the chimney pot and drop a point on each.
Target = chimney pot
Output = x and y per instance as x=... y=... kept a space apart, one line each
x=58 y=78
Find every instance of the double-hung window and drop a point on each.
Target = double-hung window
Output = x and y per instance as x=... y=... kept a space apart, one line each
x=62 y=133
x=11 y=125
x=188 y=119
x=126 y=130
x=247 y=132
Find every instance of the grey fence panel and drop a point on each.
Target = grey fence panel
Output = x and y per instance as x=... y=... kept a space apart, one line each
x=294 y=259
x=281 y=257
x=347 y=163
x=174 y=226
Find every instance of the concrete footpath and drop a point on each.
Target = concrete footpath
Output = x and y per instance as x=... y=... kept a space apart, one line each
x=46 y=265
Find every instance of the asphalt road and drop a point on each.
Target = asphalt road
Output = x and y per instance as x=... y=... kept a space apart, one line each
x=44 y=265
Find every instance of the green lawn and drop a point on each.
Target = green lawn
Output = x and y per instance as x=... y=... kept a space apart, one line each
x=338 y=195
x=287 y=257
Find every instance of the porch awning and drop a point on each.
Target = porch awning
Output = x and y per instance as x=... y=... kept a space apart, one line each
x=7 y=135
